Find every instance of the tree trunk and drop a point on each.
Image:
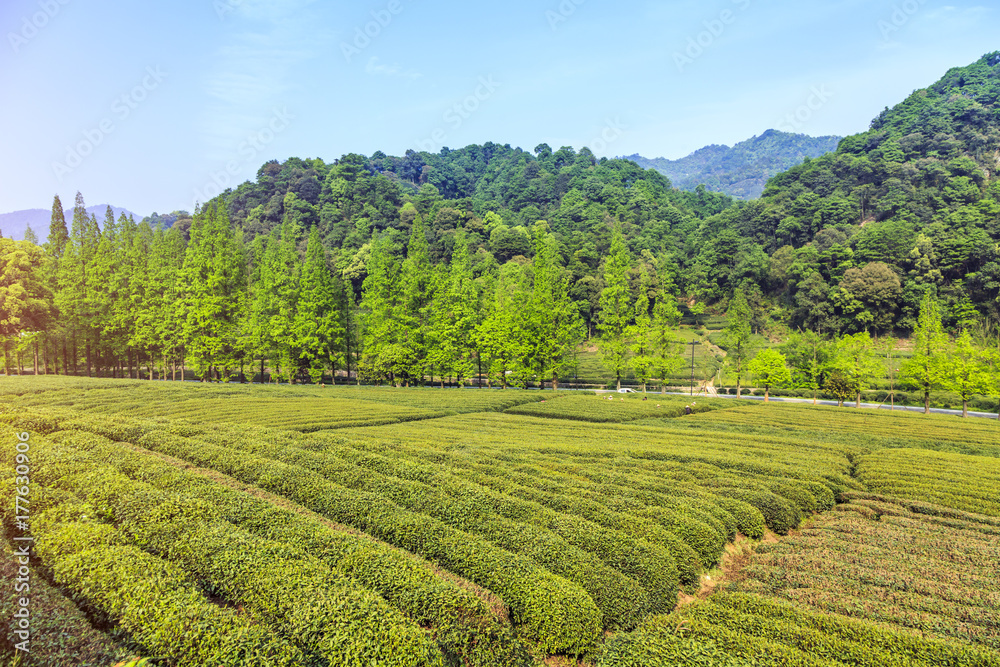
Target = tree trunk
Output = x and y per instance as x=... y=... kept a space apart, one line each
x=927 y=402
x=36 y=358
x=857 y=402
x=739 y=388
x=262 y=369
x=965 y=407
x=767 y=394
x=619 y=377
x=555 y=381
x=65 y=358
x=86 y=348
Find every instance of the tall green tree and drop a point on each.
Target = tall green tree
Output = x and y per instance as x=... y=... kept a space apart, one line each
x=857 y=361
x=616 y=307
x=382 y=353
x=454 y=316
x=72 y=298
x=738 y=337
x=215 y=280
x=641 y=335
x=668 y=348
x=24 y=295
x=416 y=292
x=968 y=370
x=554 y=320
x=926 y=367
x=317 y=326
x=503 y=336
x=55 y=248
x=770 y=369
x=809 y=355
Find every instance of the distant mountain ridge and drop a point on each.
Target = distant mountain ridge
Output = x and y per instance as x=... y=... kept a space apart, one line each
x=13 y=225
x=743 y=170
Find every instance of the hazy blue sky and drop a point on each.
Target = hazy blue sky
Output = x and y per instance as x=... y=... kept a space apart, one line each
x=148 y=105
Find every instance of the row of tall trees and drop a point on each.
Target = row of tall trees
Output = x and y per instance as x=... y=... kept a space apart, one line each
x=121 y=299
x=115 y=297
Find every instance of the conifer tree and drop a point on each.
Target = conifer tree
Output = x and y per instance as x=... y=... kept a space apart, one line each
x=925 y=368
x=641 y=335
x=616 y=311
x=738 y=336
x=71 y=294
x=317 y=324
x=555 y=323
x=214 y=279
x=416 y=288
x=967 y=372
x=55 y=248
x=503 y=335
x=666 y=344
x=383 y=353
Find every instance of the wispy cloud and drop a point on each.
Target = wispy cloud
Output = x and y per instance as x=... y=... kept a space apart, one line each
x=254 y=68
x=394 y=70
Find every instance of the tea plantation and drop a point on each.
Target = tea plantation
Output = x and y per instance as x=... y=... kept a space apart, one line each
x=226 y=525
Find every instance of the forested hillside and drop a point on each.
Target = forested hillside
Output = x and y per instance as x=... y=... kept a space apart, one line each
x=743 y=170
x=494 y=260
x=849 y=241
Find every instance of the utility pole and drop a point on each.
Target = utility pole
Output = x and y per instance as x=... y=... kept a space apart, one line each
x=693 y=343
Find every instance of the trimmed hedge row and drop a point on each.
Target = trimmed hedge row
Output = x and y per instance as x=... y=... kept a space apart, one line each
x=547 y=609
x=622 y=600
x=958 y=481
x=747 y=629
x=872 y=637
x=321 y=609
x=554 y=540
x=461 y=623
x=62 y=636
x=150 y=599
x=780 y=514
x=501 y=479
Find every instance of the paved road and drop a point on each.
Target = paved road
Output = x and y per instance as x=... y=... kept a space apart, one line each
x=907 y=408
